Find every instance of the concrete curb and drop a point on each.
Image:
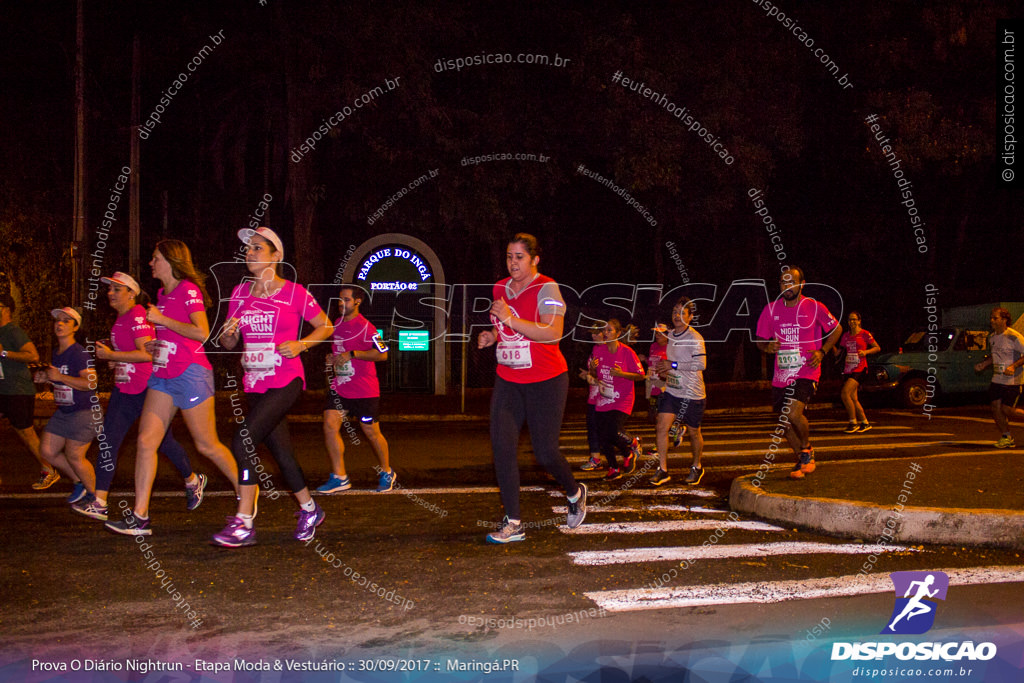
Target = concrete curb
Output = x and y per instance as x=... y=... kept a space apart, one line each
x=940 y=526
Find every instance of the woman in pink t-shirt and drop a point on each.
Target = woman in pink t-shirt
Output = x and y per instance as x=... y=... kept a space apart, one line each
x=182 y=379
x=616 y=370
x=855 y=345
x=266 y=314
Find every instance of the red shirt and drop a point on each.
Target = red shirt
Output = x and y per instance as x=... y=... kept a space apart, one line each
x=522 y=360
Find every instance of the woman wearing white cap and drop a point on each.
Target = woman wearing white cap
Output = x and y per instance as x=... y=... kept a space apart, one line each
x=182 y=379
x=67 y=435
x=266 y=313
x=133 y=366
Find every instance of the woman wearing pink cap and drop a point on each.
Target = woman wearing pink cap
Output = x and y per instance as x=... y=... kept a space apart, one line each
x=266 y=313
x=182 y=379
x=69 y=432
x=126 y=352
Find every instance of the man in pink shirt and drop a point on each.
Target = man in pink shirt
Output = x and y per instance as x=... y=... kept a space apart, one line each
x=800 y=332
x=354 y=391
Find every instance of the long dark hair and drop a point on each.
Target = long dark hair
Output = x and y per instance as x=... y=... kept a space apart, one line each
x=178 y=255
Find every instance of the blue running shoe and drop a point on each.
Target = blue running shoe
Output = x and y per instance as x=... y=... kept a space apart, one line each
x=77 y=493
x=194 y=494
x=335 y=484
x=386 y=482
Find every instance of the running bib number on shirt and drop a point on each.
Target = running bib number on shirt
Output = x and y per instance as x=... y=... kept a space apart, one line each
x=515 y=354
x=345 y=369
x=674 y=380
x=63 y=395
x=259 y=357
x=998 y=368
x=121 y=373
x=852 y=360
x=606 y=389
x=162 y=353
x=790 y=359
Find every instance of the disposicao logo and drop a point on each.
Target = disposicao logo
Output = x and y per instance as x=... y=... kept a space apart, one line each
x=914 y=613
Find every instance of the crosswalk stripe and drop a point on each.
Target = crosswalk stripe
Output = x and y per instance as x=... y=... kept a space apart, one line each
x=593 y=558
x=838 y=440
x=711 y=450
x=779 y=591
x=561 y=510
x=350 y=492
x=669 y=525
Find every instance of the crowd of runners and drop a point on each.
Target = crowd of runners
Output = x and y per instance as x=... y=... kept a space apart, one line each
x=160 y=367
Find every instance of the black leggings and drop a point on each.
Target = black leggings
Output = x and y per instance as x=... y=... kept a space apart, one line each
x=609 y=425
x=540 y=405
x=265 y=423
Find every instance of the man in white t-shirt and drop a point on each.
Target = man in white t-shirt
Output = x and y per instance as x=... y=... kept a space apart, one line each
x=1007 y=359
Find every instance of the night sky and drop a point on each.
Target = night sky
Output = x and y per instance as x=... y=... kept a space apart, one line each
x=929 y=72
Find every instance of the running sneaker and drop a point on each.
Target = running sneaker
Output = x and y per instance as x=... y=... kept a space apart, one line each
x=335 y=484
x=194 y=494
x=46 y=480
x=634 y=452
x=131 y=525
x=695 y=475
x=660 y=477
x=77 y=493
x=863 y=427
x=577 y=510
x=851 y=428
x=592 y=464
x=612 y=474
x=386 y=481
x=90 y=508
x=235 y=534
x=676 y=433
x=508 y=532
x=308 y=522
x=805 y=465
x=1005 y=441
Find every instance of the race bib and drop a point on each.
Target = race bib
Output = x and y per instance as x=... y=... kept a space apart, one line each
x=607 y=390
x=345 y=369
x=162 y=353
x=789 y=359
x=852 y=361
x=259 y=357
x=998 y=368
x=63 y=395
x=515 y=354
x=674 y=380
x=121 y=373
x=1 y=370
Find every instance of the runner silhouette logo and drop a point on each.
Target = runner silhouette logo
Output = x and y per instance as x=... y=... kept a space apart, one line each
x=916 y=595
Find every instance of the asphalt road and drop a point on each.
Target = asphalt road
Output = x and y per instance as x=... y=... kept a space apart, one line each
x=561 y=602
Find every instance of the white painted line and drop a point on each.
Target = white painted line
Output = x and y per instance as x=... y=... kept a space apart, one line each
x=836 y=440
x=350 y=492
x=962 y=418
x=561 y=510
x=670 y=525
x=597 y=494
x=779 y=591
x=593 y=558
x=710 y=449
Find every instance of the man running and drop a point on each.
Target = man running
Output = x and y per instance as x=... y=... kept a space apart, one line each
x=1007 y=357
x=17 y=393
x=800 y=332
x=354 y=391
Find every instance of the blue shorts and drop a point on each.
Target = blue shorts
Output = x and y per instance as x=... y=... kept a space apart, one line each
x=77 y=426
x=188 y=389
x=687 y=410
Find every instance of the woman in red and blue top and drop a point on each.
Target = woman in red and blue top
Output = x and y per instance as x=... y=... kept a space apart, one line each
x=266 y=314
x=182 y=379
x=857 y=344
x=532 y=382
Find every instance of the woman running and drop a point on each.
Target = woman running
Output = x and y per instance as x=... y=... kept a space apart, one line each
x=266 y=314
x=69 y=432
x=182 y=379
x=857 y=344
x=132 y=365
x=532 y=382
x=616 y=370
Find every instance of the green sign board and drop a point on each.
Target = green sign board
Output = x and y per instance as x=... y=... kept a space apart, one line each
x=413 y=340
